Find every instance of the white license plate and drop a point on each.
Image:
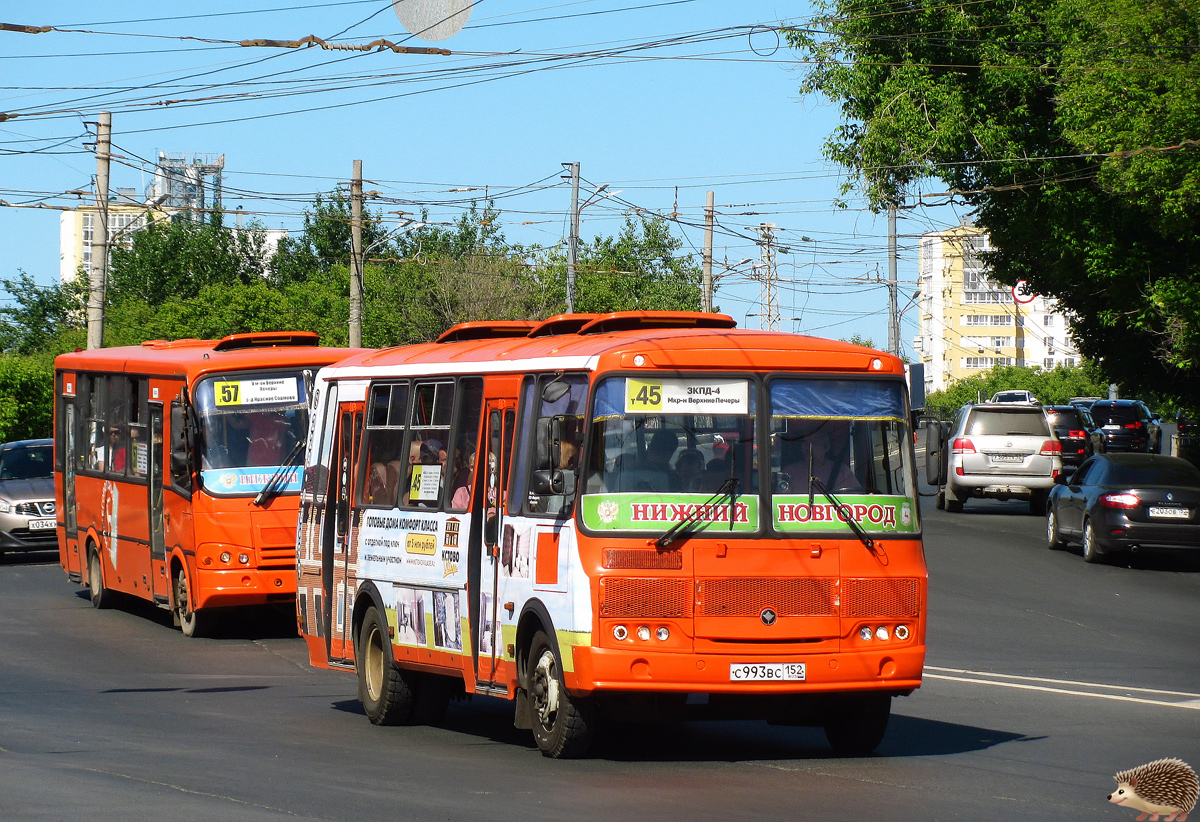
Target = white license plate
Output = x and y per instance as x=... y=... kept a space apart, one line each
x=766 y=672
x=1168 y=513
x=42 y=524
x=1007 y=458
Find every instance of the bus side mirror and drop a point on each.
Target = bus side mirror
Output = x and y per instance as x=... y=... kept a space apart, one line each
x=549 y=443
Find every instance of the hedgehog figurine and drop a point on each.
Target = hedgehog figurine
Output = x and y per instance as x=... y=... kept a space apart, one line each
x=1166 y=786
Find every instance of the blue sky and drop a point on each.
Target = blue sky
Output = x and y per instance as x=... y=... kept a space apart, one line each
x=662 y=101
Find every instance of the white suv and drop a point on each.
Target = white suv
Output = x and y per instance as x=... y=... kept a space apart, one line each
x=994 y=450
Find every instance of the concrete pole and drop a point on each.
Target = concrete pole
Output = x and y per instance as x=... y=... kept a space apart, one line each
x=356 y=256
x=893 y=308
x=573 y=240
x=706 y=266
x=98 y=276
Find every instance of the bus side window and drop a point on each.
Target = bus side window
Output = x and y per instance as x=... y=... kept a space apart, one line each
x=181 y=464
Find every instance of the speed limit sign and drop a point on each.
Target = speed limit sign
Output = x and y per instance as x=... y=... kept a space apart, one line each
x=1022 y=293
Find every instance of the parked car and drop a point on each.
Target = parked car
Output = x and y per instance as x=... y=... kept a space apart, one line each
x=1121 y=502
x=28 y=518
x=993 y=450
x=1127 y=425
x=1076 y=432
x=1014 y=395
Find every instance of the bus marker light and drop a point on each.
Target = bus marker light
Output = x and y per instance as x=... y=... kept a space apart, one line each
x=876 y=364
x=639 y=360
x=643 y=633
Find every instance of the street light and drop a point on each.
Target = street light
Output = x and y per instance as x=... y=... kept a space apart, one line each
x=358 y=258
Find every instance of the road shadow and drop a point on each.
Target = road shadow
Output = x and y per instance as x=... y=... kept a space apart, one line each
x=249 y=623
x=717 y=740
x=40 y=557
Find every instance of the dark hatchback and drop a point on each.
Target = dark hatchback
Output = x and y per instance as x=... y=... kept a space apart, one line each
x=1127 y=425
x=1076 y=431
x=1121 y=502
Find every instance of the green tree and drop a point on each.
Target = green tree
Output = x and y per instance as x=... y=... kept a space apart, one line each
x=326 y=240
x=26 y=397
x=1069 y=126
x=1053 y=387
x=42 y=319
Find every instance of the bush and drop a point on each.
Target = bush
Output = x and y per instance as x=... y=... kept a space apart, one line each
x=26 y=397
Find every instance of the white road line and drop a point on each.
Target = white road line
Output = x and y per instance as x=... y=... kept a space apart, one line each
x=1193 y=704
x=1074 y=682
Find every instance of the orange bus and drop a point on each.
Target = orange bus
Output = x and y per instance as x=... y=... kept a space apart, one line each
x=177 y=469
x=629 y=515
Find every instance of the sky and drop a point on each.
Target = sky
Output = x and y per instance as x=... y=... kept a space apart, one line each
x=658 y=101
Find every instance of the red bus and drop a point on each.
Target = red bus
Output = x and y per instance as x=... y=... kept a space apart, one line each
x=624 y=515
x=177 y=467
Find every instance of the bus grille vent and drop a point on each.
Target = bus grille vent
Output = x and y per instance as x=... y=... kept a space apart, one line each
x=881 y=598
x=643 y=558
x=629 y=598
x=748 y=596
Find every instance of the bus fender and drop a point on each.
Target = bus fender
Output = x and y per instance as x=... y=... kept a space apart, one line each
x=534 y=617
x=368 y=595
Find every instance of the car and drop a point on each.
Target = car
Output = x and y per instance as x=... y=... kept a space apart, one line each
x=993 y=450
x=1127 y=425
x=1014 y=395
x=1076 y=432
x=1084 y=402
x=1117 y=503
x=28 y=517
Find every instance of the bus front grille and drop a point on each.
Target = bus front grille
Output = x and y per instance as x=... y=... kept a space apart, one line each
x=749 y=596
x=881 y=598
x=645 y=598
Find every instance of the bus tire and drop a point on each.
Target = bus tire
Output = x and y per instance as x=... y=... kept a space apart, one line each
x=386 y=692
x=857 y=723
x=563 y=725
x=189 y=619
x=101 y=597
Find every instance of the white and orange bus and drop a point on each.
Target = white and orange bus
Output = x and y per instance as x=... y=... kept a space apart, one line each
x=177 y=469
x=632 y=514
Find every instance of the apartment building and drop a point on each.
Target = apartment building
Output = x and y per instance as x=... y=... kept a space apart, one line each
x=970 y=323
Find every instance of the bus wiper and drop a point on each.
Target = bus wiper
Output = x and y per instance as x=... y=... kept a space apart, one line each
x=275 y=483
x=728 y=489
x=845 y=510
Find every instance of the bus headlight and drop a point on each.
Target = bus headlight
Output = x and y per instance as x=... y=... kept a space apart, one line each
x=643 y=633
x=881 y=633
x=225 y=557
x=865 y=633
x=662 y=634
x=244 y=559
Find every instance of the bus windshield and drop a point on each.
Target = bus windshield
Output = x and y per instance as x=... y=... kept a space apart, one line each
x=250 y=426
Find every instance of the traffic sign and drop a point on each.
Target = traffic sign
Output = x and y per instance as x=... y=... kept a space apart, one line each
x=1022 y=293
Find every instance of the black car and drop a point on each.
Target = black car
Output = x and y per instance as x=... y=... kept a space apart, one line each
x=1127 y=425
x=1076 y=431
x=1121 y=502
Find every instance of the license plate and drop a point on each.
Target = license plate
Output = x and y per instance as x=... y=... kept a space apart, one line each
x=1007 y=458
x=42 y=524
x=766 y=672
x=1168 y=513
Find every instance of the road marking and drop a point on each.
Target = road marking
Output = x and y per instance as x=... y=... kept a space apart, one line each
x=1026 y=683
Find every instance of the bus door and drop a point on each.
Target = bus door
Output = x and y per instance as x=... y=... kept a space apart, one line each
x=486 y=637
x=160 y=583
x=336 y=585
x=70 y=518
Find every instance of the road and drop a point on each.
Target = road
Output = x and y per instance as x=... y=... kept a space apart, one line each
x=1045 y=676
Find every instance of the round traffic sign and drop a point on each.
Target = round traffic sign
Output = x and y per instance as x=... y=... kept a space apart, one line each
x=1022 y=293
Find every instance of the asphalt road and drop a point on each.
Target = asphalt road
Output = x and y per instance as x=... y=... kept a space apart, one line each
x=1045 y=676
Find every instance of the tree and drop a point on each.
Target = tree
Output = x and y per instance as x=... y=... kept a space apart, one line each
x=1053 y=387
x=26 y=397
x=44 y=318
x=1071 y=128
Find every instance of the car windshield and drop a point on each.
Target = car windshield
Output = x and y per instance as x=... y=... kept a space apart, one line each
x=250 y=425
x=28 y=462
x=1173 y=473
x=984 y=422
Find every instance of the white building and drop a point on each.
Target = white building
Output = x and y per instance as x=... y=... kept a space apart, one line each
x=970 y=324
x=126 y=215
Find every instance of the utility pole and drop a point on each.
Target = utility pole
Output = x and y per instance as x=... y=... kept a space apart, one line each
x=98 y=276
x=356 y=256
x=893 y=308
x=706 y=266
x=573 y=240
x=769 y=318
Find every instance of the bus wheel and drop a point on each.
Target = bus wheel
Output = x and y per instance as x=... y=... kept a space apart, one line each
x=386 y=692
x=190 y=621
x=857 y=723
x=562 y=725
x=101 y=596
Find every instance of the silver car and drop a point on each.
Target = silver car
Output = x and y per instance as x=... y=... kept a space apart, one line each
x=993 y=450
x=28 y=517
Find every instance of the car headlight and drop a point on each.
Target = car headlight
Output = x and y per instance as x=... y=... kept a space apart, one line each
x=5 y=506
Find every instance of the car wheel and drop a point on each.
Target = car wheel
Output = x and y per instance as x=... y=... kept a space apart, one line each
x=940 y=500
x=1054 y=540
x=563 y=725
x=101 y=597
x=857 y=723
x=1091 y=551
x=1037 y=503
